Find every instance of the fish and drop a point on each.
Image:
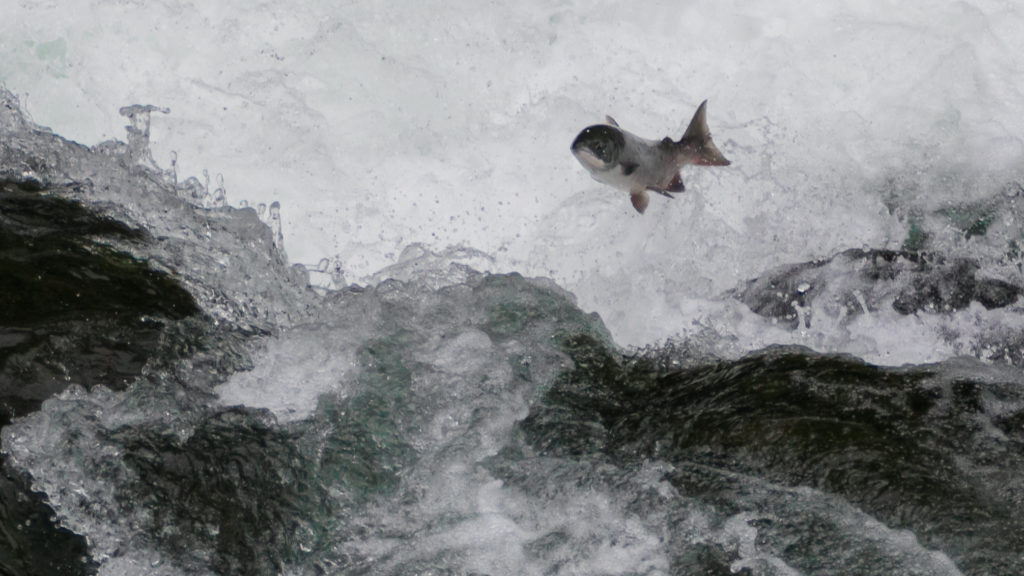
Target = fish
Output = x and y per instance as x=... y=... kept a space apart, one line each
x=626 y=161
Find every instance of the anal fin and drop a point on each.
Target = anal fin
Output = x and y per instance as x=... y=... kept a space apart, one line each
x=676 y=185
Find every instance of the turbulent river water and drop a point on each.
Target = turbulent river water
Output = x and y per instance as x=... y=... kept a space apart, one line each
x=177 y=399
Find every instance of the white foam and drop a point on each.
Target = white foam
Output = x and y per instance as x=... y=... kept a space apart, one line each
x=381 y=126
x=294 y=370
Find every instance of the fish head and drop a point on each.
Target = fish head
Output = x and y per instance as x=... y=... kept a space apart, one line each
x=598 y=147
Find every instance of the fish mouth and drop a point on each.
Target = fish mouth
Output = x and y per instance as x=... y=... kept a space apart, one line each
x=588 y=158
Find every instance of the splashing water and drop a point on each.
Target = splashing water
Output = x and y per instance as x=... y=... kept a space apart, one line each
x=444 y=420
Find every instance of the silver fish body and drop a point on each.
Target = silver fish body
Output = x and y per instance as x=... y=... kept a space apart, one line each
x=626 y=161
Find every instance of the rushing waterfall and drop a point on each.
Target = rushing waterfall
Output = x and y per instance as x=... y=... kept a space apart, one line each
x=184 y=401
x=342 y=302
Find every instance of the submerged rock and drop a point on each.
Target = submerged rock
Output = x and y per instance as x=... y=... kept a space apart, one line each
x=74 y=310
x=862 y=281
x=99 y=294
x=796 y=447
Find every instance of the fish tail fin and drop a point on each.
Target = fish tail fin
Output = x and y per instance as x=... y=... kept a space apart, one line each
x=697 y=138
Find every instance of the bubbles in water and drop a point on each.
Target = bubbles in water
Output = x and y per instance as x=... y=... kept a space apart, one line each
x=327 y=275
x=220 y=195
x=138 y=133
x=274 y=218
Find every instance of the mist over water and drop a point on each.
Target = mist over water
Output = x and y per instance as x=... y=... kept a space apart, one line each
x=344 y=302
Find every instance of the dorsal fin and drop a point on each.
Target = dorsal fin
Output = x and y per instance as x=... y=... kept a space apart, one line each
x=697 y=131
x=611 y=121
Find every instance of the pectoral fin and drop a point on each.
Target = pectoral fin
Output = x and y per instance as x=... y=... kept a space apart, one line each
x=640 y=199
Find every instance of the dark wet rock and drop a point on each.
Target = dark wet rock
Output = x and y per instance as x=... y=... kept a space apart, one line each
x=935 y=450
x=953 y=286
x=231 y=494
x=97 y=290
x=28 y=529
x=858 y=281
x=74 y=310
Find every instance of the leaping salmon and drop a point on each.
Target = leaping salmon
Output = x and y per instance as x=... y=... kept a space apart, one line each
x=618 y=158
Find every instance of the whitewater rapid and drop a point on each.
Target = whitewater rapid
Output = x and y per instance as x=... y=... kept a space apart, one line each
x=442 y=124
x=344 y=302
